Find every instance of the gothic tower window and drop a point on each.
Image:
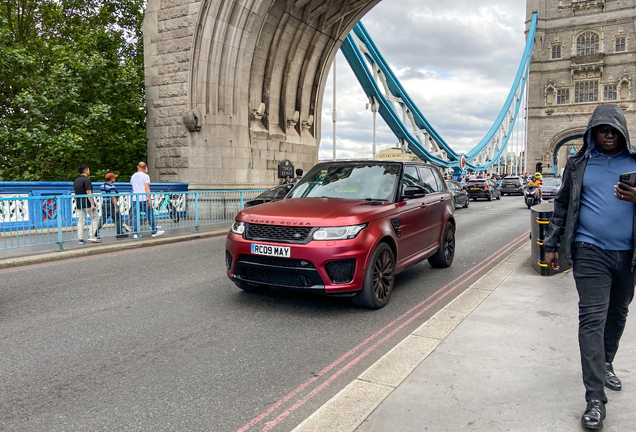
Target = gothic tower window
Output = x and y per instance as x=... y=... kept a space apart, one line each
x=556 y=51
x=587 y=44
x=563 y=96
x=620 y=44
x=610 y=92
x=586 y=91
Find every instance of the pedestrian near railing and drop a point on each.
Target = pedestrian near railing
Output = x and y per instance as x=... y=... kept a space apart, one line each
x=42 y=220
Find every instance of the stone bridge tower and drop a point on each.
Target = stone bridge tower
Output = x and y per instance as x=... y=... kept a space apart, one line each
x=233 y=87
x=584 y=55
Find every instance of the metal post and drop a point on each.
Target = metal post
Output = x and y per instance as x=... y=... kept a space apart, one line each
x=525 y=138
x=403 y=148
x=374 y=110
x=196 y=211
x=138 y=217
x=241 y=200
x=60 y=236
x=334 y=107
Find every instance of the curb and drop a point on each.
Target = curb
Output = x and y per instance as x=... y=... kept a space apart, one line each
x=356 y=402
x=96 y=250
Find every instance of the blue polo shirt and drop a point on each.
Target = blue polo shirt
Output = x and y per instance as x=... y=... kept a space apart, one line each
x=604 y=220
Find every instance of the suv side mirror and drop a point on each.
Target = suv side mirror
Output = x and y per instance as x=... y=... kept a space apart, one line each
x=414 y=192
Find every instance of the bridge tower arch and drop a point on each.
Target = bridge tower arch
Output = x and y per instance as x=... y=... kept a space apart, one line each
x=233 y=87
x=582 y=57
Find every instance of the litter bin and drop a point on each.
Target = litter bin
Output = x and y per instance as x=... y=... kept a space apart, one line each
x=539 y=219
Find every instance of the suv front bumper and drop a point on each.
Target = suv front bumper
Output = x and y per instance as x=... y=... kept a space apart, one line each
x=329 y=267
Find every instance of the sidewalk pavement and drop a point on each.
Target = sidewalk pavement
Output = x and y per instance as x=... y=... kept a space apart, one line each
x=72 y=249
x=503 y=356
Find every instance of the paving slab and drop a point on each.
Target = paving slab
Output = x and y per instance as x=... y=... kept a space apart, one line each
x=511 y=365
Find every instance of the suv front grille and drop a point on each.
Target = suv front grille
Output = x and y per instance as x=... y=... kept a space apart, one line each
x=275 y=261
x=278 y=233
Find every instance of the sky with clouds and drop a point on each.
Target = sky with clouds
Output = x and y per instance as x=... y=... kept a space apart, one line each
x=456 y=59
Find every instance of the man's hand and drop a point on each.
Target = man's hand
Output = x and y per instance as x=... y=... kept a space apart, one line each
x=625 y=193
x=552 y=259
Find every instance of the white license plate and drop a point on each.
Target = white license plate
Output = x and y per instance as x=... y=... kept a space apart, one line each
x=276 y=251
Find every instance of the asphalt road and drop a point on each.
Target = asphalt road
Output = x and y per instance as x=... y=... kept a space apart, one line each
x=159 y=339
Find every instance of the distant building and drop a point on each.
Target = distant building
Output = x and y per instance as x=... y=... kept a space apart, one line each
x=584 y=55
x=396 y=154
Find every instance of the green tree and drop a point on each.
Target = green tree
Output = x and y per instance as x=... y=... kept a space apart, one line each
x=72 y=88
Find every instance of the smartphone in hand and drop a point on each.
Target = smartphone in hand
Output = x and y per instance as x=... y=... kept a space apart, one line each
x=628 y=179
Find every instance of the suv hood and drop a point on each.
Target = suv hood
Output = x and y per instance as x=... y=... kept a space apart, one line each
x=316 y=212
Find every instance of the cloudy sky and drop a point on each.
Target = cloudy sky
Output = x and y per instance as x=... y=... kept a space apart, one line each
x=457 y=60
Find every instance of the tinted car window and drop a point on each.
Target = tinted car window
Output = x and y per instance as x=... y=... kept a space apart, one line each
x=438 y=179
x=428 y=180
x=411 y=178
x=551 y=181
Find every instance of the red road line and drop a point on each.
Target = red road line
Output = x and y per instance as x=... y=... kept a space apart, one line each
x=294 y=392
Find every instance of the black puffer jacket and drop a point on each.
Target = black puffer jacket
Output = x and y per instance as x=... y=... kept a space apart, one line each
x=568 y=200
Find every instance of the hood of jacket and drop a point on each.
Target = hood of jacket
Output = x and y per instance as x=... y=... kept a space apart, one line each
x=609 y=114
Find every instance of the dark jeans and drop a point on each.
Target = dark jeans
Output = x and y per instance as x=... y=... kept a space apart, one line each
x=109 y=210
x=146 y=207
x=605 y=282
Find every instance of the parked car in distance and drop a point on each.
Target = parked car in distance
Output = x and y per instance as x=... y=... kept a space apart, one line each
x=483 y=188
x=276 y=193
x=513 y=185
x=550 y=186
x=460 y=196
x=345 y=229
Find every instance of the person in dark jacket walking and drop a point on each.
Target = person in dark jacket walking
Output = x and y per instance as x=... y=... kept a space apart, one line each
x=597 y=212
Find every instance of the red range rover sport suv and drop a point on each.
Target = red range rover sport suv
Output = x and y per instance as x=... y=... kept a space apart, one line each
x=346 y=229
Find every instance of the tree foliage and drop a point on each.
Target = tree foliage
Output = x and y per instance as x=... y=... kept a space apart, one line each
x=71 y=88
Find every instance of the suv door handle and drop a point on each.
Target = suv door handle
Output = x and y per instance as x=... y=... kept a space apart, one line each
x=423 y=205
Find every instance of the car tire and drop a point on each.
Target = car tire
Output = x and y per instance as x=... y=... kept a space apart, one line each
x=467 y=202
x=443 y=258
x=489 y=197
x=378 y=279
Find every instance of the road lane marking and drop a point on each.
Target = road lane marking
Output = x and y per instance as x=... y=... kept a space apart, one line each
x=468 y=274
x=350 y=408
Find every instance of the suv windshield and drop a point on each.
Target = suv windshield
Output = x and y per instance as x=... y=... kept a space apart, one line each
x=372 y=181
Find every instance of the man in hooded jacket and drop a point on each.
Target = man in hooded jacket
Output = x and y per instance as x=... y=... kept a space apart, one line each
x=597 y=212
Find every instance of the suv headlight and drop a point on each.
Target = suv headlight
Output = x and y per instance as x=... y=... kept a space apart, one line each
x=238 y=228
x=338 y=233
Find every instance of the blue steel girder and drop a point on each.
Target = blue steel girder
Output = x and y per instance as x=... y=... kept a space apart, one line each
x=370 y=66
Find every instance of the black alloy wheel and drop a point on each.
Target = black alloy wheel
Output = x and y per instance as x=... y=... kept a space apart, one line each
x=378 y=279
x=444 y=256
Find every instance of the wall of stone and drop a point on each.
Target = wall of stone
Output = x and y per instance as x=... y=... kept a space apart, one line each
x=560 y=23
x=234 y=87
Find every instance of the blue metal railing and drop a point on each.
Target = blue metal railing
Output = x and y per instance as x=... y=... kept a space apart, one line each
x=53 y=219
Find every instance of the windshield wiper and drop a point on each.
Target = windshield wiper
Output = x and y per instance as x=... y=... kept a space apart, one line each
x=376 y=199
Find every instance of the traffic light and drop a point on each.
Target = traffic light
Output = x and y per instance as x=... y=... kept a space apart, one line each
x=548 y=167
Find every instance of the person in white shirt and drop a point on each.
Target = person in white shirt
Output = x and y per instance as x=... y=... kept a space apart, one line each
x=140 y=182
